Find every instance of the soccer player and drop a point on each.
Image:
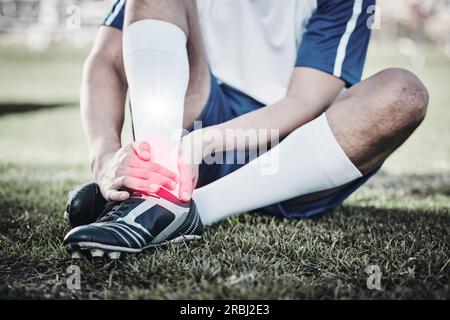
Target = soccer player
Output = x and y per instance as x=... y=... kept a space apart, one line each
x=290 y=68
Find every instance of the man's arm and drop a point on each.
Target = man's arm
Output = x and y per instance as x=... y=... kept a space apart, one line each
x=103 y=94
x=310 y=92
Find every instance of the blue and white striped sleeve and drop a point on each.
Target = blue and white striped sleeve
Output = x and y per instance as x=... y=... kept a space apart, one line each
x=336 y=39
x=116 y=15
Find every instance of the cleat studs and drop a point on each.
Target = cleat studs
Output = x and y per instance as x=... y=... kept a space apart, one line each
x=114 y=255
x=76 y=255
x=97 y=253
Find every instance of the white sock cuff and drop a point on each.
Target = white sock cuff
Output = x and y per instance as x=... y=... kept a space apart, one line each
x=157 y=35
x=335 y=162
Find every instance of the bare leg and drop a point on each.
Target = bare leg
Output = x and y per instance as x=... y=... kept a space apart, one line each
x=373 y=118
x=182 y=13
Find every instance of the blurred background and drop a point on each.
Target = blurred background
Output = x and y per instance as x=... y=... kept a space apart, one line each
x=43 y=44
x=398 y=220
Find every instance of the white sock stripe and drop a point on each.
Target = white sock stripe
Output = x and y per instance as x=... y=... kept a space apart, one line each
x=108 y=228
x=115 y=12
x=342 y=48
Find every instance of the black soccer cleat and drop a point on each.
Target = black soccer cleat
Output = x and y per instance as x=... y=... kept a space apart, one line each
x=85 y=205
x=135 y=225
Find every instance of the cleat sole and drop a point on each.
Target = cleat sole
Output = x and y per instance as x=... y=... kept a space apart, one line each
x=76 y=255
x=97 y=248
x=97 y=253
x=114 y=255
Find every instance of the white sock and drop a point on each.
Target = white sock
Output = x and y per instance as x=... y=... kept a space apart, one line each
x=157 y=69
x=309 y=160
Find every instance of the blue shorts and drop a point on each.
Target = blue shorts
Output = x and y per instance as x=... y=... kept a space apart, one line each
x=225 y=103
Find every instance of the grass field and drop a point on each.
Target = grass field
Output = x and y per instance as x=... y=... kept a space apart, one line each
x=399 y=221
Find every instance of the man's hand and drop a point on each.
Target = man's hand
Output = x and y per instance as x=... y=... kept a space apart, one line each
x=131 y=169
x=190 y=156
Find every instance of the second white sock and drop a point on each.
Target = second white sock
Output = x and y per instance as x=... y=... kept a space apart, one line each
x=308 y=160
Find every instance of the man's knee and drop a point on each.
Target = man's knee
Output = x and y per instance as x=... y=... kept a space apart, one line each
x=409 y=97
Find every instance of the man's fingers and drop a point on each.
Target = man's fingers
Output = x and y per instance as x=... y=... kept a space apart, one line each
x=136 y=162
x=142 y=150
x=114 y=195
x=163 y=171
x=186 y=182
x=186 y=192
x=152 y=177
x=165 y=182
x=136 y=184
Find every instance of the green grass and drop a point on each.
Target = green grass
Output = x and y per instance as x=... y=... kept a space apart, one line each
x=399 y=221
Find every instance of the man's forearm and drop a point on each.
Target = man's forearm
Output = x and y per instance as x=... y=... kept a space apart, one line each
x=103 y=95
x=281 y=117
x=310 y=93
x=261 y=127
